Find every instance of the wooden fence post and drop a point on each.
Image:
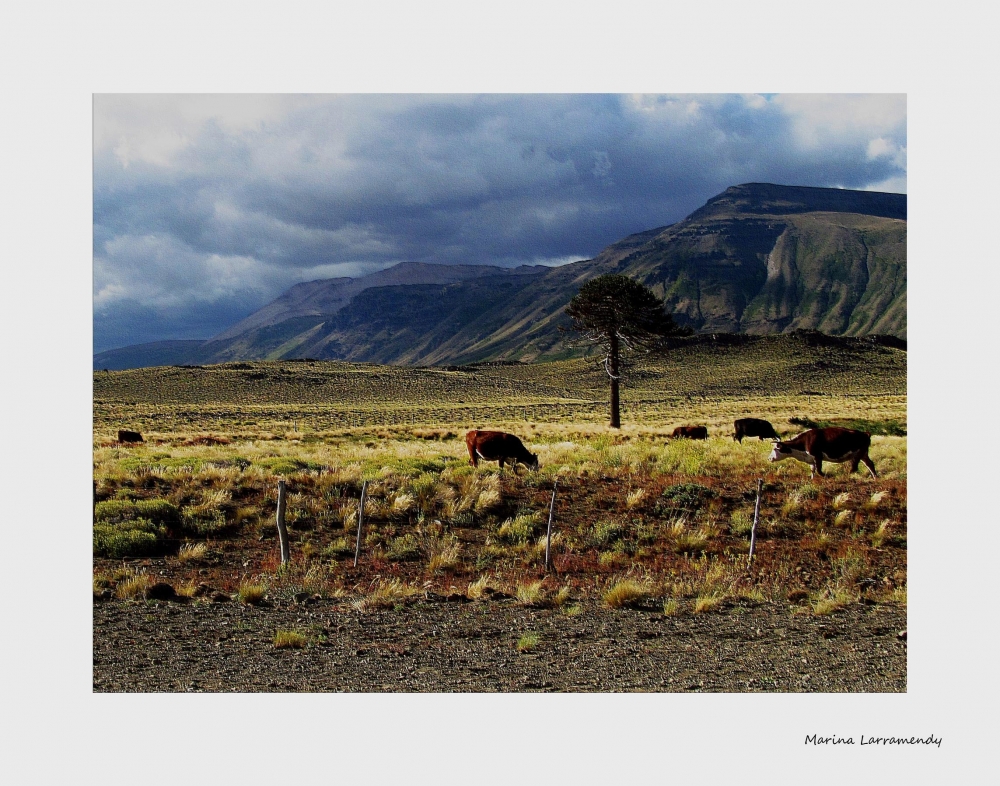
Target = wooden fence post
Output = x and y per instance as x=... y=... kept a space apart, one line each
x=361 y=515
x=756 y=514
x=280 y=521
x=548 y=533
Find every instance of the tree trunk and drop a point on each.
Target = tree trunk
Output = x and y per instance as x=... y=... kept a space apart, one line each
x=616 y=420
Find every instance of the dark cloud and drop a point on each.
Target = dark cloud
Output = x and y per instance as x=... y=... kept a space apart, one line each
x=204 y=209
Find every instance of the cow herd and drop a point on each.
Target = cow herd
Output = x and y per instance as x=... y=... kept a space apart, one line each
x=813 y=447
x=834 y=444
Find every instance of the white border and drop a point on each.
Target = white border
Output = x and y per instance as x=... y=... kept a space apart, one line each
x=61 y=54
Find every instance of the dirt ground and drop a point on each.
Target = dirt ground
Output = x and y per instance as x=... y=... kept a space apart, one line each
x=439 y=645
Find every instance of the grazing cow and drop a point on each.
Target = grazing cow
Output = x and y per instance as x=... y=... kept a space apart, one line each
x=498 y=446
x=753 y=427
x=690 y=432
x=827 y=444
x=124 y=435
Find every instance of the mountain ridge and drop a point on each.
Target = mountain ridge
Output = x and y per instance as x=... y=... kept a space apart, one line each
x=758 y=258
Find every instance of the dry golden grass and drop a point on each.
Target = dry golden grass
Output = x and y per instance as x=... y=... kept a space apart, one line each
x=627 y=592
x=446 y=555
x=386 y=595
x=251 y=592
x=289 y=639
x=530 y=593
x=133 y=587
x=192 y=552
x=477 y=588
x=705 y=603
x=634 y=498
x=832 y=599
x=211 y=454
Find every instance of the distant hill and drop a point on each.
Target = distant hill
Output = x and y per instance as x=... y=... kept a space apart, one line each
x=758 y=258
x=157 y=353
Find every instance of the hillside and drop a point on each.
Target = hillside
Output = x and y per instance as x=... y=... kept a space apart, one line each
x=718 y=379
x=758 y=258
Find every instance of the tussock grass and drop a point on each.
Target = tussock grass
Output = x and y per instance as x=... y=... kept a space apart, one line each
x=841 y=500
x=289 y=639
x=527 y=642
x=192 y=552
x=671 y=607
x=741 y=521
x=520 y=528
x=876 y=499
x=402 y=548
x=687 y=541
x=627 y=592
x=830 y=600
x=251 y=592
x=445 y=555
x=477 y=588
x=612 y=559
x=705 y=603
x=133 y=587
x=530 y=593
x=881 y=534
x=403 y=503
x=634 y=498
x=386 y=595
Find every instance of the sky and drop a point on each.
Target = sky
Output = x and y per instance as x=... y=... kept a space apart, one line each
x=207 y=207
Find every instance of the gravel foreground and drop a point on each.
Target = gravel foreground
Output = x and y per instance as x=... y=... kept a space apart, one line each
x=472 y=647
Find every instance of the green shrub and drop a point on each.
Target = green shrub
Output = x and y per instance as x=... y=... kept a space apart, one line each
x=518 y=529
x=338 y=548
x=158 y=511
x=686 y=496
x=128 y=539
x=607 y=532
x=403 y=548
x=204 y=523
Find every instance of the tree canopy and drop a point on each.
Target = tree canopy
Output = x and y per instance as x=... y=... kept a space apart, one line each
x=620 y=315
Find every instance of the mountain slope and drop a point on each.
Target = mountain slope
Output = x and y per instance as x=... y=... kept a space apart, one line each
x=758 y=258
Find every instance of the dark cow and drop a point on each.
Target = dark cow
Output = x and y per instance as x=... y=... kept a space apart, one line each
x=690 y=432
x=498 y=446
x=124 y=435
x=827 y=444
x=753 y=427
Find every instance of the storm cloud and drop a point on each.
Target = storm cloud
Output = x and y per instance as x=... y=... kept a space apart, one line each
x=207 y=207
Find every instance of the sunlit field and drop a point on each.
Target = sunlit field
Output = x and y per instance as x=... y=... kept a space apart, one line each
x=638 y=518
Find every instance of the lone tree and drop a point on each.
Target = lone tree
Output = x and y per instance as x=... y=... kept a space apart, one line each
x=622 y=316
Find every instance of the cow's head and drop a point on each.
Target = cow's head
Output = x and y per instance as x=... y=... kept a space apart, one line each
x=780 y=452
x=532 y=462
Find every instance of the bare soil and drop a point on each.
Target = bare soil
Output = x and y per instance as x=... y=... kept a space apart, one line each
x=437 y=645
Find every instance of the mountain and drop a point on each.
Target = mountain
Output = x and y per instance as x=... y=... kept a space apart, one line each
x=156 y=353
x=758 y=258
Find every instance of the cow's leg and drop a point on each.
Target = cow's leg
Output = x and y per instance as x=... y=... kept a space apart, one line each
x=472 y=457
x=817 y=466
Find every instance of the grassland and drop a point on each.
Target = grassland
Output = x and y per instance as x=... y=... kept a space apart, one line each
x=196 y=500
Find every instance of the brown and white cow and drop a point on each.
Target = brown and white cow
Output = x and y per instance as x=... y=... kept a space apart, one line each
x=827 y=444
x=690 y=432
x=498 y=446
x=753 y=427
